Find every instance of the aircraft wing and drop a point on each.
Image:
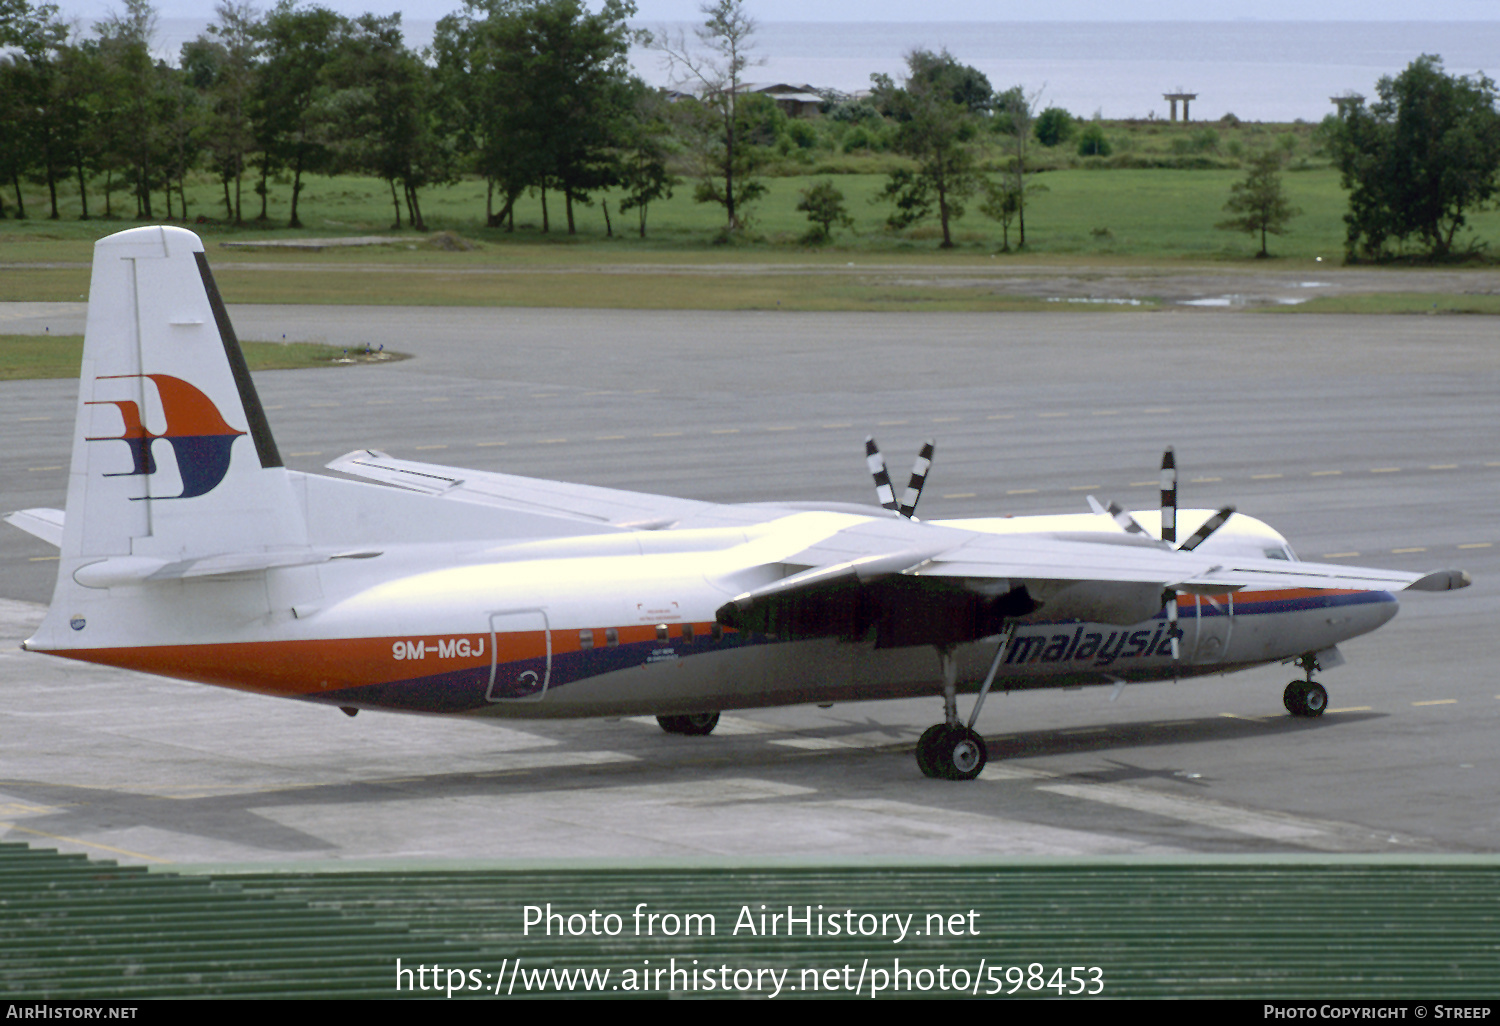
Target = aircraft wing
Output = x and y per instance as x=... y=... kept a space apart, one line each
x=590 y=503
x=925 y=583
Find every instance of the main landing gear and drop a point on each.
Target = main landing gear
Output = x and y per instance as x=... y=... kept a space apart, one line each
x=953 y=750
x=1305 y=697
x=693 y=724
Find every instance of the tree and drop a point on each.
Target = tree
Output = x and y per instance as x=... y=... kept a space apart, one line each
x=299 y=42
x=1418 y=159
x=936 y=121
x=1258 y=203
x=645 y=148
x=1053 y=127
x=1015 y=114
x=1092 y=142
x=717 y=67
x=824 y=207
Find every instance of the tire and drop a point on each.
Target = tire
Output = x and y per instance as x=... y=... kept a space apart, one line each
x=691 y=725
x=1295 y=698
x=927 y=750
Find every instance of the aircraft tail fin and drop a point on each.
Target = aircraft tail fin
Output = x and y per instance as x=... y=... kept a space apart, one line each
x=172 y=457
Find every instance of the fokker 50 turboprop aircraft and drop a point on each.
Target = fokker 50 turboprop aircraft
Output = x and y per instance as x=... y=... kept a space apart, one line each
x=189 y=550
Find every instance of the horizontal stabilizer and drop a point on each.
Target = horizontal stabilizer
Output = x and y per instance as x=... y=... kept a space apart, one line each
x=46 y=524
x=124 y=570
x=606 y=507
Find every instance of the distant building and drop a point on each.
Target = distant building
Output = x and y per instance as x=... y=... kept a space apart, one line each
x=795 y=101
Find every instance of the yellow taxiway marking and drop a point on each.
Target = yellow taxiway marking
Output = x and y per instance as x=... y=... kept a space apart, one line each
x=40 y=559
x=44 y=468
x=1021 y=491
x=550 y=441
x=331 y=406
x=482 y=444
x=87 y=844
x=1442 y=466
x=25 y=420
x=1477 y=545
x=1264 y=477
x=378 y=402
x=1001 y=416
x=725 y=431
x=1252 y=719
x=420 y=447
x=1438 y=701
x=1325 y=473
x=1084 y=730
x=961 y=495
x=1142 y=484
x=537 y=395
x=666 y=434
x=1339 y=555
x=946 y=420
x=1353 y=708
x=314 y=452
x=1385 y=470
x=441 y=399
x=1398 y=551
x=1083 y=488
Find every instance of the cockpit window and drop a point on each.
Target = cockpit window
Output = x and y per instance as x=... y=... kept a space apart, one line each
x=1280 y=552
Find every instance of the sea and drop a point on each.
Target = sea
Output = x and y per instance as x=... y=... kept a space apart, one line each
x=1255 y=70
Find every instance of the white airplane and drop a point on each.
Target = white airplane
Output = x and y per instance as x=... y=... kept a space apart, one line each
x=189 y=550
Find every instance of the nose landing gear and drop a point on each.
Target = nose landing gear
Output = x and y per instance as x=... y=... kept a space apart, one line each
x=1305 y=697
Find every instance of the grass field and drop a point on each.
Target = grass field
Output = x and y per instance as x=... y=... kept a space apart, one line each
x=1078 y=217
x=58 y=356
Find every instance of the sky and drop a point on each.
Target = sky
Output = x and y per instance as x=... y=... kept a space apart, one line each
x=650 y=11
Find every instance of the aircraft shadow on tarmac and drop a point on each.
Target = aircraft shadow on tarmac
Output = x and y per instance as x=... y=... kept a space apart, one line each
x=236 y=817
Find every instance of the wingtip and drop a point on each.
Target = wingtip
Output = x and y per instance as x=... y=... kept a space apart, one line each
x=1441 y=580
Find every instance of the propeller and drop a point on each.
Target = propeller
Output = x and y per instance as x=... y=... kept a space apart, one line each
x=876 y=462
x=884 y=491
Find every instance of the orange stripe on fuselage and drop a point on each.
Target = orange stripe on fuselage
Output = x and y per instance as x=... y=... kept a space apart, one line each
x=288 y=668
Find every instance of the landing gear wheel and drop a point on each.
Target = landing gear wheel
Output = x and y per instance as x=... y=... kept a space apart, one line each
x=951 y=753
x=927 y=750
x=1294 y=696
x=693 y=724
x=1305 y=698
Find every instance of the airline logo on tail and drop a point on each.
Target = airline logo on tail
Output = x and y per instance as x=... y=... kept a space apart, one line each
x=199 y=437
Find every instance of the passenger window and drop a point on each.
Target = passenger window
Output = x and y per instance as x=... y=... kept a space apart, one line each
x=687 y=633
x=585 y=639
x=612 y=637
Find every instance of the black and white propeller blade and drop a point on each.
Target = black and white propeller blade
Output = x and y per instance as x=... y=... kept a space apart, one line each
x=1210 y=525
x=918 y=479
x=884 y=493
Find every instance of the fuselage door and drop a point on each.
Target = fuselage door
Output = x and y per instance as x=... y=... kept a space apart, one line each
x=520 y=655
x=1210 y=628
